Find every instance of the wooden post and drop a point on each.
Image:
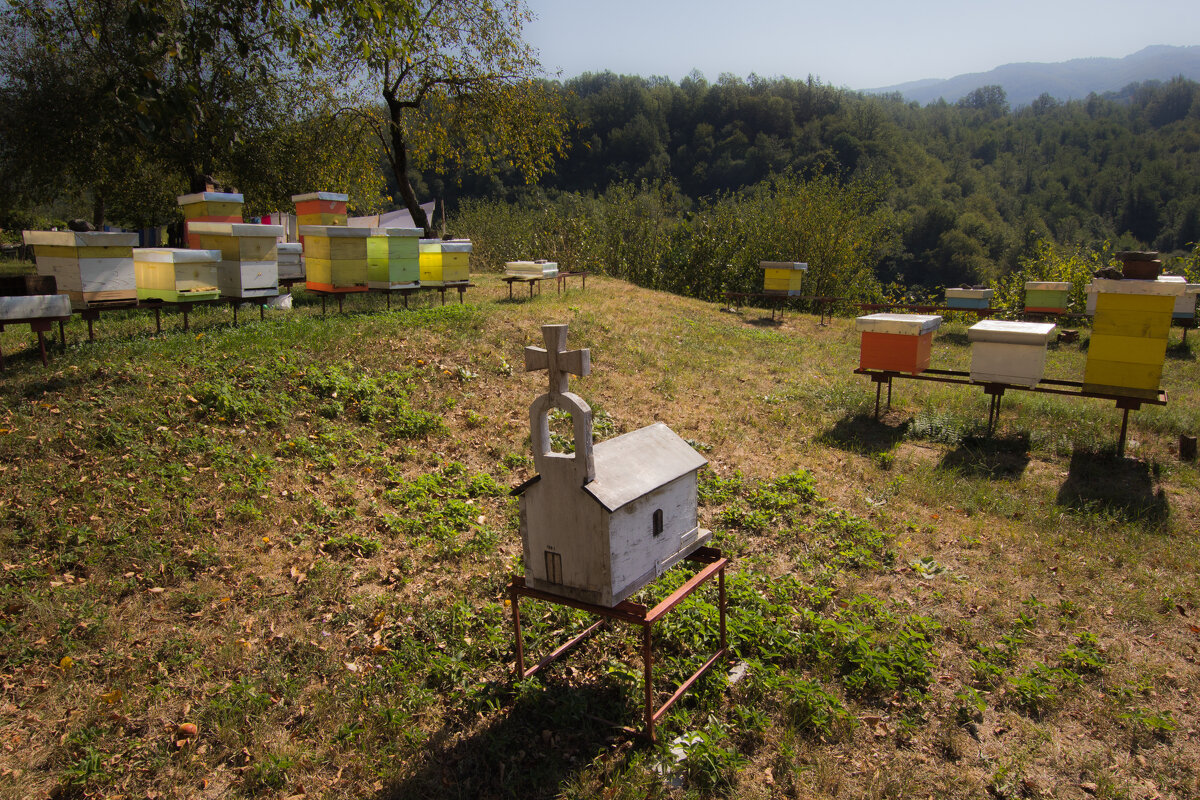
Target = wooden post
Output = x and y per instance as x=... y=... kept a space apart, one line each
x=1187 y=447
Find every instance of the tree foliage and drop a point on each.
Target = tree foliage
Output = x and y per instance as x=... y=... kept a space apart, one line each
x=459 y=87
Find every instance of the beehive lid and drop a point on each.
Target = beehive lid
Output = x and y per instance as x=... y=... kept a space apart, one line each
x=409 y=232
x=333 y=197
x=972 y=294
x=335 y=231
x=456 y=246
x=1047 y=286
x=295 y=248
x=247 y=229
x=80 y=239
x=636 y=463
x=35 y=306
x=908 y=324
x=209 y=197
x=1006 y=332
x=782 y=265
x=1157 y=287
x=174 y=255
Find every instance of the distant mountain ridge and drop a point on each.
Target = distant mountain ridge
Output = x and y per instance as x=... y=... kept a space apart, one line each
x=1068 y=80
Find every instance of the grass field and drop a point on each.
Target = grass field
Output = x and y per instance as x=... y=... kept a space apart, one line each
x=270 y=561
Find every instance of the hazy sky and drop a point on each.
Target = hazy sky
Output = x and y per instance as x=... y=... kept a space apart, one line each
x=858 y=44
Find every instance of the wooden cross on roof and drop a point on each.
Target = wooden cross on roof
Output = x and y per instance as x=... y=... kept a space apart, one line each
x=556 y=359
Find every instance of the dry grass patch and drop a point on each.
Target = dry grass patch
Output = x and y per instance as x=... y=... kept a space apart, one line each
x=295 y=536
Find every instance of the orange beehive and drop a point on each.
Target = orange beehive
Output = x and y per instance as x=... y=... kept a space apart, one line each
x=320 y=208
x=209 y=207
x=896 y=342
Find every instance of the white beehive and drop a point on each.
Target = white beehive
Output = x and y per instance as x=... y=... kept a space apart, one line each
x=1009 y=352
x=530 y=269
x=248 y=268
x=290 y=258
x=93 y=268
x=599 y=524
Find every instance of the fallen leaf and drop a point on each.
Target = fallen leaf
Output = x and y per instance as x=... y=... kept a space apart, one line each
x=112 y=697
x=66 y=663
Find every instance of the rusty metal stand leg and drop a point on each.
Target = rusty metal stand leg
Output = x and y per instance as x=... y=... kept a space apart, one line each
x=515 y=599
x=721 y=603
x=262 y=311
x=878 y=393
x=648 y=664
x=157 y=320
x=889 y=405
x=388 y=295
x=62 y=335
x=91 y=331
x=1124 y=431
x=234 y=303
x=185 y=318
x=340 y=296
x=323 y=305
x=42 y=348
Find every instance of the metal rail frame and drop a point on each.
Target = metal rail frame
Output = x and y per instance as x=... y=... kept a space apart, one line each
x=996 y=391
x=633 y=614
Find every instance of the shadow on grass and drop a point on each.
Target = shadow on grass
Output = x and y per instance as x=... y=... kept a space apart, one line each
x=1122 y=487
x=997 y=458
x=954 y=338
x=861 y=433
x=766 y=322
x=1181 y=351
x=547 y=736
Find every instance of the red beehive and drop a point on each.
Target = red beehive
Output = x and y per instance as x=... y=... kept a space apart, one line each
x=896 y=342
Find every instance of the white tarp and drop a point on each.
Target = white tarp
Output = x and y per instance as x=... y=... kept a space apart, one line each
x=391 y=219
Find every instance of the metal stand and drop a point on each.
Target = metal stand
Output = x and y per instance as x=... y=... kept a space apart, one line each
x=634 y=614
x=529 y=279
x=38 y=326
x=562 y=279
x=996 y=390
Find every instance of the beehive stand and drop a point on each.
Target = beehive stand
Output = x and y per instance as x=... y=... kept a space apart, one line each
x=996 y=391
x=712 y=563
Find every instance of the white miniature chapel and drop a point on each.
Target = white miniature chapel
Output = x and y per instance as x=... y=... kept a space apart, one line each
x=600 y=523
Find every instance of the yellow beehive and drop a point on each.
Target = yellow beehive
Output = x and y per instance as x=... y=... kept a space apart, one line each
x=92 y=268
x=444 y=263
x=782 y=277
x=176 y=275
x=248 y=266
x=335 y=257
x=1129 y=336
x=209 y=207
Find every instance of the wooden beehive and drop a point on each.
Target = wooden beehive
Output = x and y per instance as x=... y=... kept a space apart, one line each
x=530 y=269
x=1129 y=336
x=1185 y=304
x=248 y=268
x=209 y=207
x=176 y=275
x=1009 y=352
x=1047 y=297
x=782 y=277
x=599 y=524
x=973 y=299
x=335 y=258
x=393 y=258
x=896 y=342
x=27 y=308
x=445 y=263
x=93 y=268
x=321 y=208
x=290 y=258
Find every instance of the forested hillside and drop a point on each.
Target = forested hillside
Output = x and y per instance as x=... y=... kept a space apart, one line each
x=974 y=185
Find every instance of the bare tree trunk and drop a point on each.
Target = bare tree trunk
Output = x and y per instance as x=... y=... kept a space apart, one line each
x=98 y=210
x=400 y=170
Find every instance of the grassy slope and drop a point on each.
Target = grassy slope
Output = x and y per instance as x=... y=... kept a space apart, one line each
x=295 y=536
